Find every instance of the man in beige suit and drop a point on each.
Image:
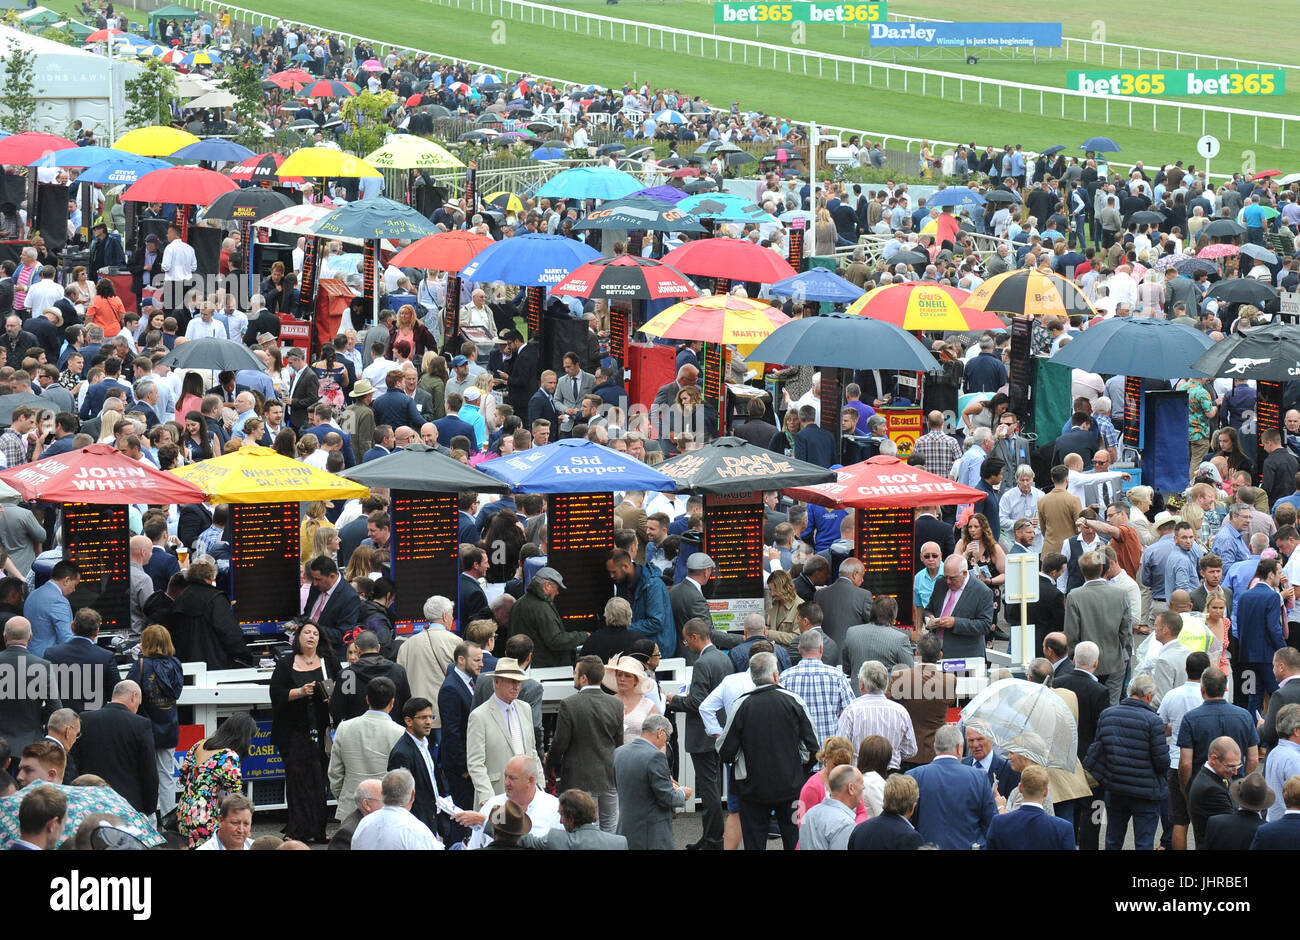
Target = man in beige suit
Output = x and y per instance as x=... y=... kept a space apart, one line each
x=428 y=656
x=499 y=729
x=362 y=745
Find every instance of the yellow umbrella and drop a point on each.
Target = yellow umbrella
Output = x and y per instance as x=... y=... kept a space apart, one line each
x=155 y=141
x=325 y=161
x=408 y=152
x=721 y=318
x=256 y=474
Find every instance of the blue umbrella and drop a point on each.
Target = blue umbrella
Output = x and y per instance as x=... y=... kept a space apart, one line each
x=817 y=284
x=845 y=341
x=955 y=196
x=1189 y=266
x=120 y=171
x=302 y=57
x=531 y=260
x=1152 y=349
x=1054 y=149
x=668 y=194
x=588 y=182
x=668 y=116
x=214 y=150
x=80 y=156
x=487 y=78
x=548 y=153
x=1100 y=144
x=727 y=207
x=574 y=466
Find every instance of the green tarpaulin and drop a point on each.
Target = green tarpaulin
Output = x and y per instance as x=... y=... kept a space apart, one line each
x=172 y=12
x=1053 y=401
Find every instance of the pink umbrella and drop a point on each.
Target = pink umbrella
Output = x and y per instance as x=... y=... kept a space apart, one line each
x=372 y=65
x=1217 y=251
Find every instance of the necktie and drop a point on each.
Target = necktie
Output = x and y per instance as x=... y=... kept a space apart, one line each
x=516 y=732
x=320 y=606
x=949 y=603
x=575 y=388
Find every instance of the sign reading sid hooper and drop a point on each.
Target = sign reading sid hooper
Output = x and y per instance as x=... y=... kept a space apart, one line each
x=1186 y=82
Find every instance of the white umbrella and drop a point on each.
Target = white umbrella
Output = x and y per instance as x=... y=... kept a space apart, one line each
x=213 y=99
x=1016 y=711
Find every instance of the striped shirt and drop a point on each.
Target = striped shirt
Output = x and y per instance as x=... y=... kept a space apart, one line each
x=876 y=714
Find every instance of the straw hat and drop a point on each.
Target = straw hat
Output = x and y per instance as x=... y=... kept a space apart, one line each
x=508 y=668
x=630 y=666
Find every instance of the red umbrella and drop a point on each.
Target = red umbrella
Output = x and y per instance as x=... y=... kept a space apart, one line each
x=25 y=149
x=261 y=167
x=1265 y=174
x=626 y=277
x=291 y=79
x=735 y=258
x=885 y=483
x=183 y=185
x=327 y=88
x=100 y=35
x=100 y=475
x=442 y=251
x=684 y=172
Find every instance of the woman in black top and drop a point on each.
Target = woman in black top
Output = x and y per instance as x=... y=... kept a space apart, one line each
x=299 y=729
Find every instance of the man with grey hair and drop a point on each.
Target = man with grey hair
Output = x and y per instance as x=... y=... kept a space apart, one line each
x=978 y=446
x=1130 y=761
x=393 y=826
x=960 y=610
x=117 y=744
x=647 y=793
x=845 y=602
x=875 y=713
x=369 y=799
x=64 y=729
x=1284 y=758
x=986 y=372
x=1099 y=611
x=770 y=738
x=823 y=687
x=755 y=627
x=829 y=824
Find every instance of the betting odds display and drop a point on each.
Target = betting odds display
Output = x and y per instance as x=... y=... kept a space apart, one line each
x=579 y=536
x=1268 y=415
x=425 y=553
x=884 y=541
x=1132 y=411
x=264 y=565
x=733 y=538
x=97 y=540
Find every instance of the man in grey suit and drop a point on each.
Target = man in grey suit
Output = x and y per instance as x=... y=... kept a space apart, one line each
x=588 y=728
x=580 y=832
x=879 y=640
x=687 y=596
x=845 y=602
x=1098 y=611
x=647 y=793
x=26 y=708
x=570 y=389
x=711 y=667
x=963 y=623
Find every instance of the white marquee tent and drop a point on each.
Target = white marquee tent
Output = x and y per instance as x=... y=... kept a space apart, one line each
x=72 y=84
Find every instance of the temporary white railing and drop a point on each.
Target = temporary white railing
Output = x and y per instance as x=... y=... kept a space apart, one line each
x=896 y=77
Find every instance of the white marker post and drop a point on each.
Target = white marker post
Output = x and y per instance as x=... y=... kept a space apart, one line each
x=1208 y=148
x=1022 y=586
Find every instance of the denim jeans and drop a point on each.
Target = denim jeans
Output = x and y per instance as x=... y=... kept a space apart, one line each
x=1145 y=815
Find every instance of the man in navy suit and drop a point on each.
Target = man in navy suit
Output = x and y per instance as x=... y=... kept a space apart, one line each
x=332 y=603
x=956 y=803
x=1030 y=827
x=542 y=404
x=814 y=444
x=396 y=409
x=93 y=403
x=414 y=751
x=982 y=755
x=455 y=701
x=324 y=414
x=1283 y=833
x=1259 y=632
x=452 y=425
x=99 y=665
x=892 y=829
x=383 y=444
x=473 y=603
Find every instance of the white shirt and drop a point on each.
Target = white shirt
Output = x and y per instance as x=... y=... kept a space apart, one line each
x=1177 y=703
x=543 y=812
x=722 y=697
x=198 y=329
x=377 y=372
x=393 y=827
x=214 y=845
x=178 y=261
x=43 y=295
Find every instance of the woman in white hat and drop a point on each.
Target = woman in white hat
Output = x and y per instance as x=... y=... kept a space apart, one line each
x=627 y=678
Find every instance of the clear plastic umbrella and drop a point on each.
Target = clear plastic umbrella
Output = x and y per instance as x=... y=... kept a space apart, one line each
x=1016 y=711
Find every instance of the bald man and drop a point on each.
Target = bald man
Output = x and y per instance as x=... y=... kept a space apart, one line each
x=924 y=581
x=141 y=550
x=117 y=744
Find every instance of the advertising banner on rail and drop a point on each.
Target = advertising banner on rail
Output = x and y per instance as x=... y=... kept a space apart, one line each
x=799 y=11
x=1182 y=82
x=963 y=35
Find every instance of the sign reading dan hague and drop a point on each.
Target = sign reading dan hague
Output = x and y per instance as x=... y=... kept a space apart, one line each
x=976 y=35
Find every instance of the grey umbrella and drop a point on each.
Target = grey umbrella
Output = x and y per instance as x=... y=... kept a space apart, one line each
x=1259 y=253
x=220 y=355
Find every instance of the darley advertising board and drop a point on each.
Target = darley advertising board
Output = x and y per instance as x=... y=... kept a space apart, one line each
x=961 y=35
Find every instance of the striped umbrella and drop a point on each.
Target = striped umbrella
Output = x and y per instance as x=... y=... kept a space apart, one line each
x=262 y=166
x=1026 y=293
x=203 y=57
x=923 y=306
x=327 y=88
x=721 y=318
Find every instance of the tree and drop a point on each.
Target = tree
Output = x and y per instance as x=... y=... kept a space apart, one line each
x=17 y=101
x=363 y=115
x=150 y=94
x=244 y=81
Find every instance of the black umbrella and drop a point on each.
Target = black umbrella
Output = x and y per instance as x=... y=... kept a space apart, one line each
x=475 y=135
x=673 y=163
x=1147 y=217
x=489 y=118
x=1055 y=148
x=435 y=111
x=1223 y=227
x=417 y=467
x=611 y=148
x=304 y=124
x=1264 y=353
x=730 y=465
x=641 y=153
x=737 y=157
x=910 y=258
x=704 y=185
x=220 y=355
x=638 y=212
x=1242 y=290
x=845 y=341
x=491 y=86
x=247 y=205
x=1000 y=195
x=540 y=127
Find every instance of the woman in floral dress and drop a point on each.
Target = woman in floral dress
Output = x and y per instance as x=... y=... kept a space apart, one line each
x=210 y=773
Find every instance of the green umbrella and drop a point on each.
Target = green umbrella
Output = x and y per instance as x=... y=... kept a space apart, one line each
x=82 y=801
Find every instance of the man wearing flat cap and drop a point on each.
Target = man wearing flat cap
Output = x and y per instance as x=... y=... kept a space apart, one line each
x=535 y=616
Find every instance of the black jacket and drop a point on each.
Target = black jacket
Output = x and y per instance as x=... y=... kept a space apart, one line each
x=931 y=529
x=770 y=739
x=1207 y=796
x=349 y=698
x=203 y=629
x=406 y=754
x=118 y=746
x=1093 y=700
x=886 y=831
x=525 y=373
x=1231 y=831
x=97 y=664
x=377 y=617
x=340 y=614
x=194 y=519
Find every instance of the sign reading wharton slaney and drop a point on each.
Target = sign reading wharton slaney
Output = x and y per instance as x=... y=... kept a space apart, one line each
x=799 y=11
x=977 y=35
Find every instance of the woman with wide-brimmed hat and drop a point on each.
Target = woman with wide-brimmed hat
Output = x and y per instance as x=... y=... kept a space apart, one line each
x=627 y=678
